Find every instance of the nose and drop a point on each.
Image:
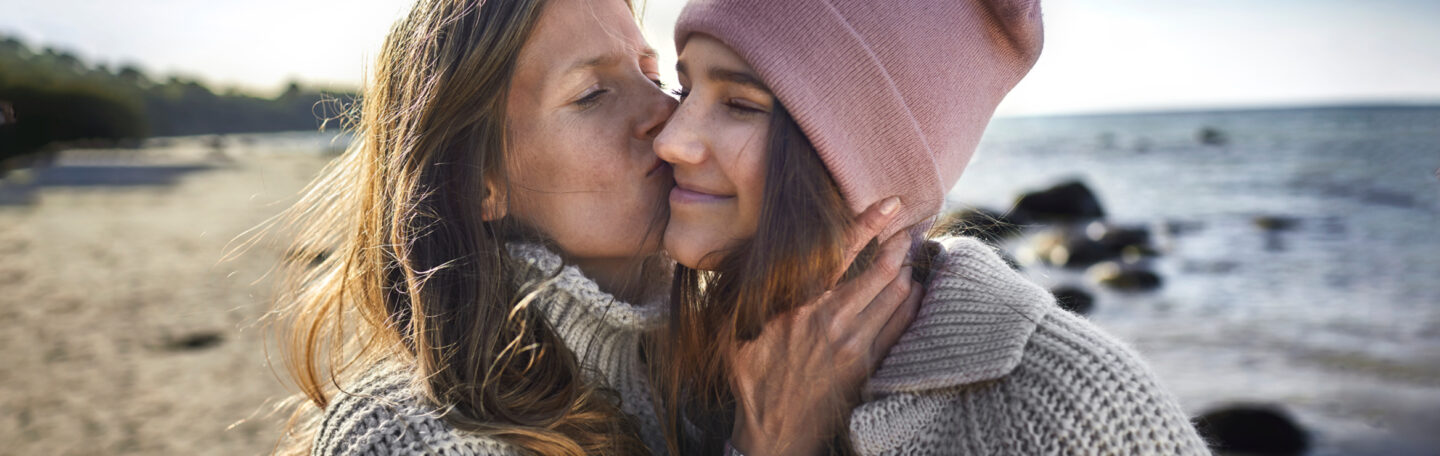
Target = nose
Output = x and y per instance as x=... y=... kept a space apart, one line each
x=657 y=112
x=679 y=142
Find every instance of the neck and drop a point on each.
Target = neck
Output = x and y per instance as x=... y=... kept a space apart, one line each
x=628 y=279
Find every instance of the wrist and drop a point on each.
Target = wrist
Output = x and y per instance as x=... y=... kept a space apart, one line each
x=750 y=436
x=745 y=438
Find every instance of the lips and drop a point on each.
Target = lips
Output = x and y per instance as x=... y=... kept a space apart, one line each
x=684 y=193
x=655 y=167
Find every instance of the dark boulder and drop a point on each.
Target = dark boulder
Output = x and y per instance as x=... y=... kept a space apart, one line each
x=1175 y=227
x=1074 y=300
x=1067 y=202
x=1253 y=429
x=1126 y=277
x=1276 y=222
x=1117 y=237
x=1212 y=136
x=1062 y=247
x=1080 y=246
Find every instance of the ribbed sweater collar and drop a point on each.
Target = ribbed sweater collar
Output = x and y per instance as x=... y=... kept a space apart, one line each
x=565 y=289
x=972 y=326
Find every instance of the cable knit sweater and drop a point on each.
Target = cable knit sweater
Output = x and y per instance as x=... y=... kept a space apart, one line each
x=992 y=366
x=382 y=414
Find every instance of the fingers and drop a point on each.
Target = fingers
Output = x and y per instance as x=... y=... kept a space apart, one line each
x=898 y=322
x=867 y=226
x=885 y=303
x=873 y=320
x=856 y=294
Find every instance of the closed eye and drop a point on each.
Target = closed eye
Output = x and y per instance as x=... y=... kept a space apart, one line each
x=744 y=108
x=591 y=99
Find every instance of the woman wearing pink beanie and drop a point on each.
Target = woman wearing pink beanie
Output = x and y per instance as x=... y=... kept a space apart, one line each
x=797 y=114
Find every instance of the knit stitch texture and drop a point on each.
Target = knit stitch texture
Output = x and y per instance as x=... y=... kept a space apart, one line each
x=382 y=414
x=991 y=365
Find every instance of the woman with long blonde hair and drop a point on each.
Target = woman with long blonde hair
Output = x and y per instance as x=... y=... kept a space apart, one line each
x=490 y=243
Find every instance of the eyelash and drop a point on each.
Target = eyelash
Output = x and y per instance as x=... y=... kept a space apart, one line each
x=591 y=99
x=734 y=107
x=744 y=110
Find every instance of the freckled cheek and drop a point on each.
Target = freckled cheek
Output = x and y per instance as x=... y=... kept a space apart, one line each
x=748 y=175
x=564 y=155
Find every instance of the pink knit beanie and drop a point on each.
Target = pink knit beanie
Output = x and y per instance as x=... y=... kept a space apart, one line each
x=894 y=94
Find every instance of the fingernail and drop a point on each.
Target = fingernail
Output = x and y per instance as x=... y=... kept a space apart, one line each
x=890 y=205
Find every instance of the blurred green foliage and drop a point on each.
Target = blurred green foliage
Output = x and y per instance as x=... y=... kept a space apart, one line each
x=57 y=98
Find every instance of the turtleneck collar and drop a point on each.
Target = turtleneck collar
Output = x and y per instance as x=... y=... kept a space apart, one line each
x=557 y=280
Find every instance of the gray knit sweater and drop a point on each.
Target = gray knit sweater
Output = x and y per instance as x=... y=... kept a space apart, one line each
x=990 y=366
x=381 y=414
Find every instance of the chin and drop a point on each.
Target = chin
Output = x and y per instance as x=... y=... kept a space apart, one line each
x=689 y=248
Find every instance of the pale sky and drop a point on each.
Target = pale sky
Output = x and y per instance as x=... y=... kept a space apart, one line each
x=1100 y=55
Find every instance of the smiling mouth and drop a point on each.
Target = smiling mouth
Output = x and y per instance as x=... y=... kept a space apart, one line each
x=681 y=195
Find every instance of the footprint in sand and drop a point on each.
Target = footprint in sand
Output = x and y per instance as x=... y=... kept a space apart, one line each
x=198 y=340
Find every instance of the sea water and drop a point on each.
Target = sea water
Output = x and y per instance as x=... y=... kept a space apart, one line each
x=1335 y=318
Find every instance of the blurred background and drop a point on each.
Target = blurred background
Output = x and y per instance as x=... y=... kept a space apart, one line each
x=1246 y=192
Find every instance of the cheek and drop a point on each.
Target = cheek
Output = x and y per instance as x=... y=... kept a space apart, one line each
x=565 y=157
x=746 y=169
x=593 y=146
x=575 y=181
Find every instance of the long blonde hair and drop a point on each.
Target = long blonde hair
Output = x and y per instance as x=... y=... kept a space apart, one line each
x=398 y=264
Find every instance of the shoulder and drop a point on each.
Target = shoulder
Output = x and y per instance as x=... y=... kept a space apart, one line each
x=381 y=413
x=1070 y=376
x=1099 y=390
x=990 y=354
x=1074 y=391
x=973 y=324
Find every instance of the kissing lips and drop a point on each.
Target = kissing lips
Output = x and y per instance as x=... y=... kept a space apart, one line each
x=656 y=167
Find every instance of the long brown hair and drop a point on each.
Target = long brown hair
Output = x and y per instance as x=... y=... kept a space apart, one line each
x=799 y=244
x=412 y=273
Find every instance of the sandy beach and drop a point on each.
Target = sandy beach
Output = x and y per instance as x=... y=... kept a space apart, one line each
x=124 y=332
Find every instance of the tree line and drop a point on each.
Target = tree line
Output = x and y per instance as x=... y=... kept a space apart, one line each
x=51 y=97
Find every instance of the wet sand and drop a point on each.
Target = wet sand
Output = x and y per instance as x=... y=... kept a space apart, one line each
x=123 y=331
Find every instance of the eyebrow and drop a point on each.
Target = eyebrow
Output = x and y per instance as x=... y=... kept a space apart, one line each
x=609 y=59
x=604 y=60
x=732 y=76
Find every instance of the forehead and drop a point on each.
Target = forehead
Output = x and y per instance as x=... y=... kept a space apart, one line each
x=576 y=32
x=703 y=53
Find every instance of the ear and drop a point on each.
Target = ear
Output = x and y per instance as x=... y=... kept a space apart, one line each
x=495 y=205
